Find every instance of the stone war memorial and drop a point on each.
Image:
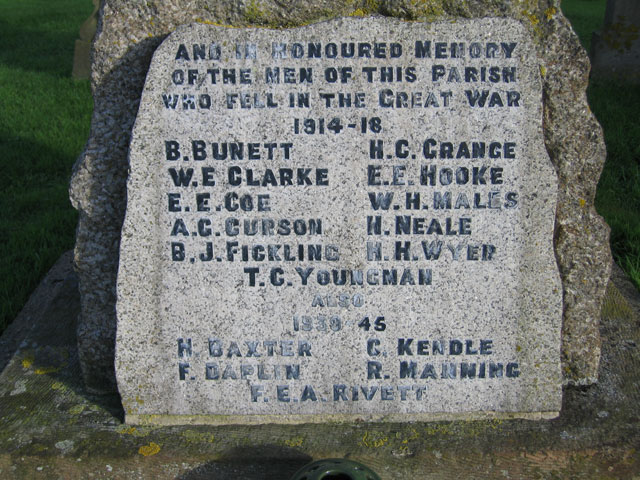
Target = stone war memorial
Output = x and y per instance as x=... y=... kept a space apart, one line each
x=351 y=219
x=358 y=218
x=331 y=230
x=326 y=228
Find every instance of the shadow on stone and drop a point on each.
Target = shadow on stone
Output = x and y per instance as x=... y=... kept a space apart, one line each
x=264 y=462
x=612 y=401
x=43 y=339
x=118 y=92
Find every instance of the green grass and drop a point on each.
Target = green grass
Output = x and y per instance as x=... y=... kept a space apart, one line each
x=618 y=195
x=44 y=122
x=616 y=105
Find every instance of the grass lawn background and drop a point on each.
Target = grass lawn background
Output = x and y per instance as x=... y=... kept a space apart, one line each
x=45 y=118
x=44 y=123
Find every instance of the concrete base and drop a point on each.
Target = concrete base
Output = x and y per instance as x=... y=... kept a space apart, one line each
x=50 y=427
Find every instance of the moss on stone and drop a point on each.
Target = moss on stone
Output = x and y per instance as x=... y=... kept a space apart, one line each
x=254 y=13
x=615 y=306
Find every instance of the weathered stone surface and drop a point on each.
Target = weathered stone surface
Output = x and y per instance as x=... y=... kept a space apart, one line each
x=616 y=48
x=51 y=426
x=297 y=305
x=129 y=32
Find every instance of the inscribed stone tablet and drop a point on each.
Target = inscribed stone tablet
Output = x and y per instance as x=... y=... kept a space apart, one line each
x=352 y=219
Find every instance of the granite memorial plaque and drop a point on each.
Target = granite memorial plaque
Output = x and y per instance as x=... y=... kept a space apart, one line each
x=347 y=220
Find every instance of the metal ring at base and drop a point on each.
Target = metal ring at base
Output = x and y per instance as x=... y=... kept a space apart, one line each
x=335 y=469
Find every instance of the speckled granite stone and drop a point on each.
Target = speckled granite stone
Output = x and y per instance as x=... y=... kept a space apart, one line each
x=129 y=32
x=450 y=306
